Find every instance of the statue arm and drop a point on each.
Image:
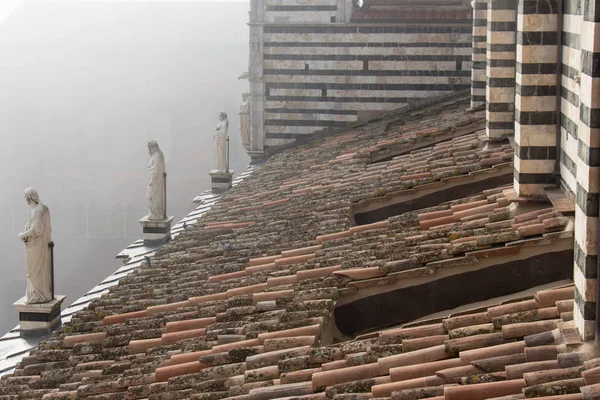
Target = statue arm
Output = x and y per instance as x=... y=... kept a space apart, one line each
x=151 y=170
x=155 y=172
x=36 y=227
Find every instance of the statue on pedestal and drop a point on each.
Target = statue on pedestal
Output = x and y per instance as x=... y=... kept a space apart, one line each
x=220 y=138
x=37 y=238
x=244 y=115
x=156 y=182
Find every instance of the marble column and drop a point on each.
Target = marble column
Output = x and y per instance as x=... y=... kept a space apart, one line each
x=479 y=53
x=536 y=107
x=588 y=173
x=500 y=68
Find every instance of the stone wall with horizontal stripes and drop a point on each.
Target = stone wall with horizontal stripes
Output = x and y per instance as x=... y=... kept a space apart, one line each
x=478 y=77
x=587 y=167
x=570 y=57
x=300 y=12
x=321 y=68
x=500 y=68
x=536 y=101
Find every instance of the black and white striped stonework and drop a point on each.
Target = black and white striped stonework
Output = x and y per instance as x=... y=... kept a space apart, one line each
x=536 y=113
x=572 y=21
x=588 y=171
x=478 y=77
x=500 y=71
x=323 y=76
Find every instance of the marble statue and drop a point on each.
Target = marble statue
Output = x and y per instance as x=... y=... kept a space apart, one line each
x=245 y=120
x=156 y=182
x=37 y=237
x=220 y=139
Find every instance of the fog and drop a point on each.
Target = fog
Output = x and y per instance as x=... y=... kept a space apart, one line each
x=84 y=86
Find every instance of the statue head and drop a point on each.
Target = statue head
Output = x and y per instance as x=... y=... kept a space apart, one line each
x=222 y=116
x=153 y=146
x=31 y=196
x=245 y=96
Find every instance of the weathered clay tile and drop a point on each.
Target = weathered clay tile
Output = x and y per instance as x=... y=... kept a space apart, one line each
x=422 y=343
x=474 y=342
x=468 y=356
x=543 y=353
x=523 y=329
x=484 y=390
x=430 y=354
x=323 y=379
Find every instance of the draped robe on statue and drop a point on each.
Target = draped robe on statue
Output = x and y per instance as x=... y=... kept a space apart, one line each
x=37 y=255
x=156 y=186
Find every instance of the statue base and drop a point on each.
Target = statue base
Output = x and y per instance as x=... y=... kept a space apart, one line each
x=39 y=319
x=156 y=230
x=221 y=180
x=255 y=156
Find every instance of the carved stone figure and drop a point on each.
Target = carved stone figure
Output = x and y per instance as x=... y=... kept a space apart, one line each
x=255 y=56
x=244 y=115
x=220 y=139
x=37 y=237
x=156 y=182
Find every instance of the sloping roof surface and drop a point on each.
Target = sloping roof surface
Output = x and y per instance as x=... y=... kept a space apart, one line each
x=241 y=304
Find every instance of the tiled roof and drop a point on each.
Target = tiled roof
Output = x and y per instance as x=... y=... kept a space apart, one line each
x=13 y=347
x=241 y=305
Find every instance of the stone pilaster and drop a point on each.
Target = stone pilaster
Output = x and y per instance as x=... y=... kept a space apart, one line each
x=500 y=69
x=479 y=53
x=536 y=115
x=256 y=78
x=588 y=172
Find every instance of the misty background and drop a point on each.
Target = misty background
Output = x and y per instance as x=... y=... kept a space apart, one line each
x=84 y=85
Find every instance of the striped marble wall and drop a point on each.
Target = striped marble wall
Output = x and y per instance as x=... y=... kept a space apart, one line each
x=478 y=77
x=569 y=94
x=293 y=11
x=588 y=171
x=536 y=103
x=320 y=77
x=500 y=90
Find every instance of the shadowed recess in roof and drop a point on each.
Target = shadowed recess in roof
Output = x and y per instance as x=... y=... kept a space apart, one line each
x=429 y=200
x=407 y=304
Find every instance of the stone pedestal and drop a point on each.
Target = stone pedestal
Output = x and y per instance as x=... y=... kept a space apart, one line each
x=39 y=319
x=221 y=180
x=256 y=155
x=156 y=230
